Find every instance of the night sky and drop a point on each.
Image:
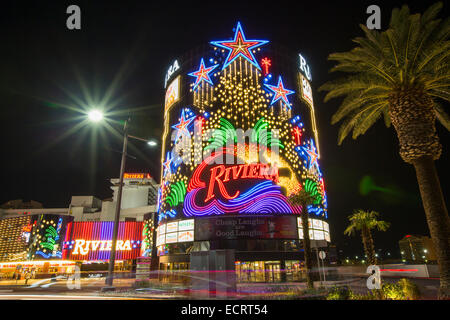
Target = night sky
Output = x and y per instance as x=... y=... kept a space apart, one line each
x=49 y=72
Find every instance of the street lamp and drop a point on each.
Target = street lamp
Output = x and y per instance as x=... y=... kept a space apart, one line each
x=97 y=116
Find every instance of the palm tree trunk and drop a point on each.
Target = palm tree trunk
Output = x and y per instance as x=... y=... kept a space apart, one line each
x=365 y=241
x=307 y=248
x=371 y=248
x=437 y=217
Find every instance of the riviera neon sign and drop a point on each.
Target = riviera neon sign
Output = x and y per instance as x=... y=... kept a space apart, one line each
x=136 y=176
x=83 y=247
x=264 y=196
x=220 y=174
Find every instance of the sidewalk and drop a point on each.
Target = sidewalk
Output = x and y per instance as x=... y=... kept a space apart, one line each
x=84 y=282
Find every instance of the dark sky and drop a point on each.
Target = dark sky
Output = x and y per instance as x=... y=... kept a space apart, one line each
x=126 y=46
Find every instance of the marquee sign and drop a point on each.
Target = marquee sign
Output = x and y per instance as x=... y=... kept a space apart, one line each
x=246 y=227
x=84 y=246
x=177 y=231
x=93 y=240
x=172 y=94
x=136 y=176
x=306 y=91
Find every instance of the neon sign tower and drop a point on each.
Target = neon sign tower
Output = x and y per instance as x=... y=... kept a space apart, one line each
x=240 y=138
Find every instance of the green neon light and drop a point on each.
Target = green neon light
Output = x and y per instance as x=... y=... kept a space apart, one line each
x=311 y=187
x=50 y=234
x=262 y=136
x=177 y=194
x=222 y=135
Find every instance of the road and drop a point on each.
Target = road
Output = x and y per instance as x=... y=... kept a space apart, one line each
x=90 y=289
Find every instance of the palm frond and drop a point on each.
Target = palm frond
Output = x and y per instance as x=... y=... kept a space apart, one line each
x=442 y=116
x=414 y=52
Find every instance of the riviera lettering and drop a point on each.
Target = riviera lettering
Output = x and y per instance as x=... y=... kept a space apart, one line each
x=220 y=175
x=83 y=247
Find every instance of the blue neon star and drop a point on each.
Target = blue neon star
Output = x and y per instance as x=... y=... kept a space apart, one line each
x=309 y=154
x=202 y=74
x=167 y=164
x=182 y=126
x=240 y=47
x=280 y=92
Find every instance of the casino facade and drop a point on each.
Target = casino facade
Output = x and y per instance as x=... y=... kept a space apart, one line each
x=240 y=138
x=45 y=241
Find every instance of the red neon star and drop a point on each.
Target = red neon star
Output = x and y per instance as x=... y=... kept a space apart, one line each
x=202 y=74
x=166 y=164
x=312 y=154
x=182 y=126
x=240 y=47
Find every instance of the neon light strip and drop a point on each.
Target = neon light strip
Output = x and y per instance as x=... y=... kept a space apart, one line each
x=58 y=254
x=27 y=264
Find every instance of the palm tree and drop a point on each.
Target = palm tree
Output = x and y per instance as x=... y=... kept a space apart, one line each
x=400 y=75
x=365 y=221
x=303 y=199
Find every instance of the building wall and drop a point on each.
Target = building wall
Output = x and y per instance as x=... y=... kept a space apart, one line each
x=13 y=242
x=86 y=202
x=133 y=196
x=13 y=213
x=109 y=210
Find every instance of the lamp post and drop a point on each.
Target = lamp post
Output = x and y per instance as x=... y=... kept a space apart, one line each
x=112 y=255
x=96 y=116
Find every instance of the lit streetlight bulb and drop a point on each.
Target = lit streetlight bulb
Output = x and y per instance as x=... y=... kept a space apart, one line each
x=152 y=143
x=95 y=115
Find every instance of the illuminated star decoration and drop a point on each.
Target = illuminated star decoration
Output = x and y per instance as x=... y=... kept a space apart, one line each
x=202 y=74
x=309 y=154
x=167 y=164
x=280 y=92
x=182 y=126
x=240 y=47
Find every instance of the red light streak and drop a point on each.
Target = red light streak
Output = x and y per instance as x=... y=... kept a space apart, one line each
x=399 y=270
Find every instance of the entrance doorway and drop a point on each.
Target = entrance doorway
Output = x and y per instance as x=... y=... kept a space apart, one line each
x=272 y=271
